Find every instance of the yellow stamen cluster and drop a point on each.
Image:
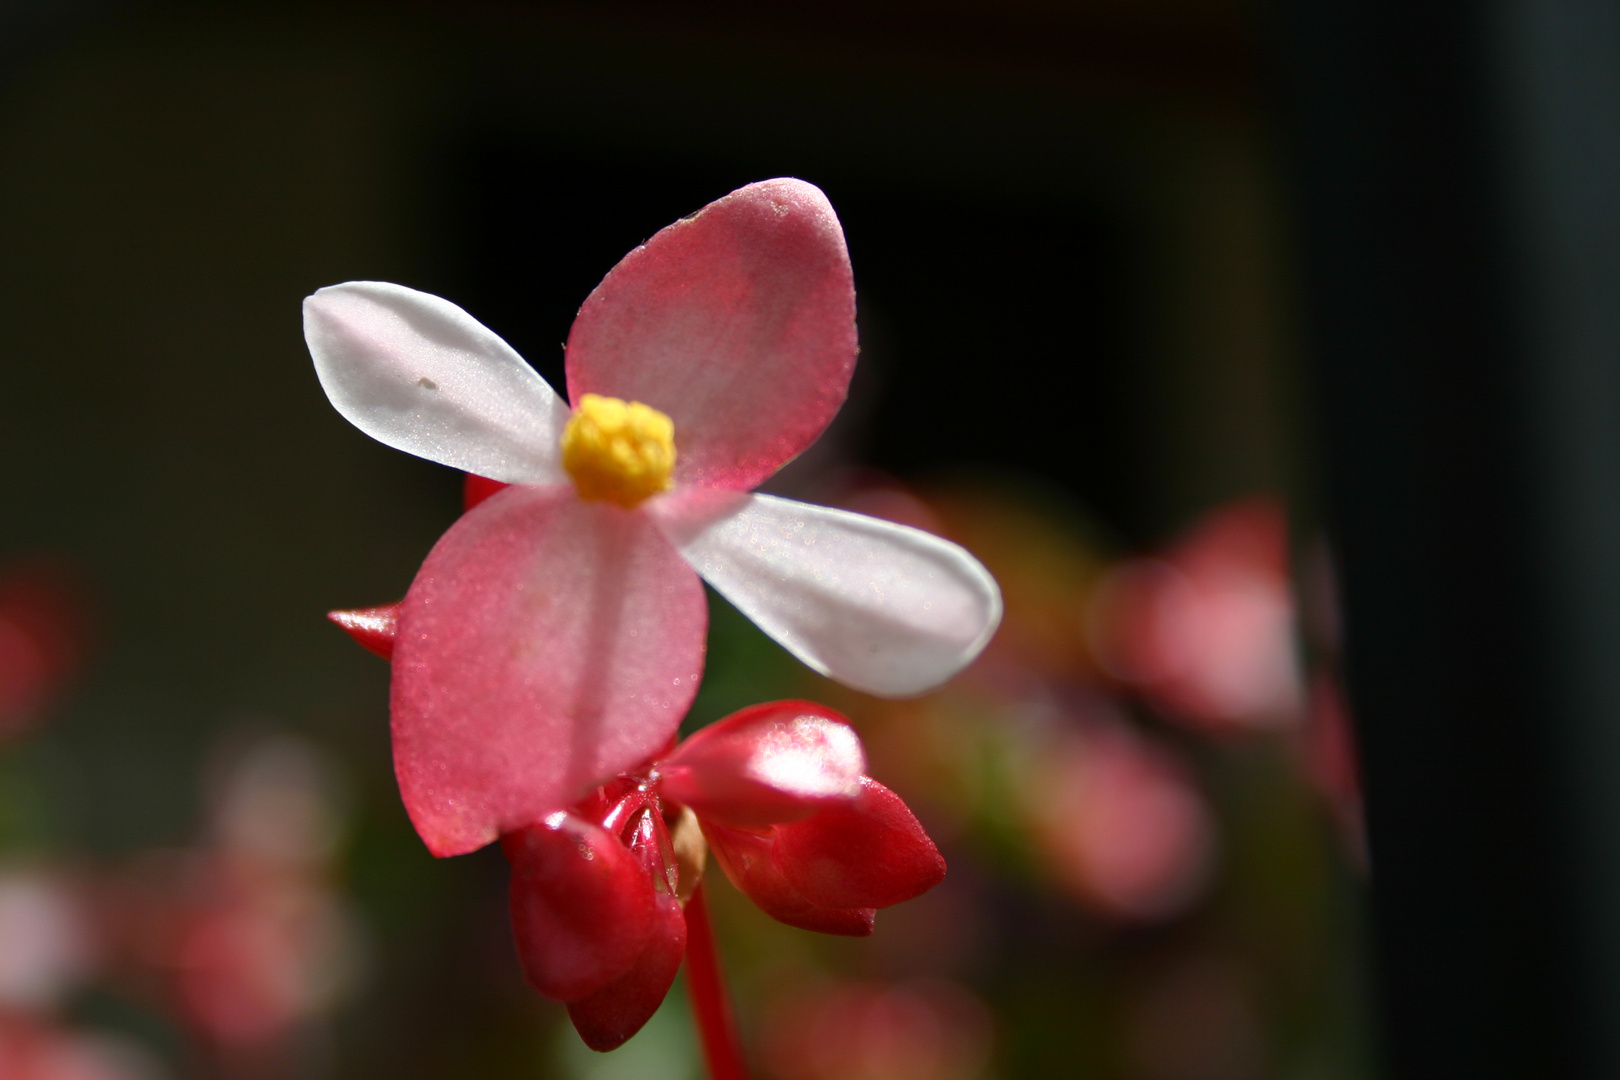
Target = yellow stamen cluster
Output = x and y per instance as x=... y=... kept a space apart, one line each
x=620 y=451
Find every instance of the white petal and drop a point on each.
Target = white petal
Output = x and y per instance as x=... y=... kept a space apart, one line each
x=880 y=607
x=418 y=373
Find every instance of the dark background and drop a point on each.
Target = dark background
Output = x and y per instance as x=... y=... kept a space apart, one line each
x=1151 y=255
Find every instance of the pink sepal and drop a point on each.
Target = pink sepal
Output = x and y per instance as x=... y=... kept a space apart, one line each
x=747 y=860
x=582 y=907
x=868 y=852
x=738 y=322
x=770 y=763
x=606 y=1018
x=373 y=627
x=545 y=643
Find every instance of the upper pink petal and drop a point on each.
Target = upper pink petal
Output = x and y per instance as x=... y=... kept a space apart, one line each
x=867 y=852
x=738 y=322
x=545 y=645
x=769 y=763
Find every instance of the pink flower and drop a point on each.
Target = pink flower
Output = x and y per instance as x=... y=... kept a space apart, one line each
x=1122 y=822
x=921 y=1030
x=555 y=634
x=44 y=635
x=780 y=793
x=34 y=1050
x=1207 y=631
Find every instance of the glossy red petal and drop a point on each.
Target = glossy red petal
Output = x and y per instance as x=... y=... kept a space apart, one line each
x=738 y=322
x=374 y=628
x=747 y=861
x=871 y=852
x=606 y=1018
x=774 y=762
x=475 y=489
x=545 y=645
x=582 y=908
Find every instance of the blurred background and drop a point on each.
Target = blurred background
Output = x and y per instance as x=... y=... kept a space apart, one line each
x=1188 y=318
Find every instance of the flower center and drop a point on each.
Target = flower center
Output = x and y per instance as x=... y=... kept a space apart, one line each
x=620 y=451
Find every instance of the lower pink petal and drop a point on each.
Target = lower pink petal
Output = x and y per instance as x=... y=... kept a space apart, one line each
x=747 y=861
x=582 y=908
x=545 y=645
x=870 y=852
x=606 y=1018
x=768 y=763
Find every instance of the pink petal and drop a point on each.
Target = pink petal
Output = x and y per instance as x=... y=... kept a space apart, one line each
x=582 y=908
x=545 y=645
x=374 y=628
x=606 y=1018
x=1121 y=817
x=738 y=322
x=768 y=763
x=747 y=861
x=871 y=852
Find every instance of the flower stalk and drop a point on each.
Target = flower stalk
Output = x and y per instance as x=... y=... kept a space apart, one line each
x=706 y=989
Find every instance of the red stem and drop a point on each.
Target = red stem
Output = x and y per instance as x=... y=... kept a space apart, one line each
x=711 y=1006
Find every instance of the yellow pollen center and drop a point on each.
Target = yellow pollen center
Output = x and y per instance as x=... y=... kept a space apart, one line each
x=621 y=451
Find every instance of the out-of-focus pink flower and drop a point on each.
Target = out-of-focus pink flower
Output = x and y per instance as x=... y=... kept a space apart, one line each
x=1207 y=631
x=249 y=933
x=1120 y=819
x=780 y=793
x=34 y=1051
x=555 y=634
x=1331 y=762
x=868 y=1031
x=44 y=630
x=254 y=962
x=47 y=944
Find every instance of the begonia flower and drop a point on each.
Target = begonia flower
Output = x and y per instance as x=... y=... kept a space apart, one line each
x=44 y=635
x=1208 y=631
x=780 y=793
x=1330 y=761
x=265 y=944
x=47 y=943
x=1121 y=821
x=927 y=1029
x=555 y=634
x=31 y=1049
x=248 y=935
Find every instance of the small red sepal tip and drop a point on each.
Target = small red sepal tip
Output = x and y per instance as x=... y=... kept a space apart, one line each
x=475 y=489
x=373 y=627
